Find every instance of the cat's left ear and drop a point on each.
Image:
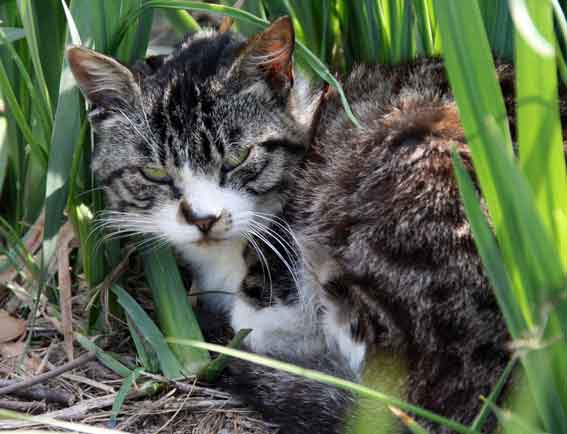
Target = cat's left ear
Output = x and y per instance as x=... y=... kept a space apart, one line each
x=269 y=55
x=104 y=81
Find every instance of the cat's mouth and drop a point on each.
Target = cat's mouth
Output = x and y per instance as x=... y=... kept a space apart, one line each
x=210 y=239
x=207 y=241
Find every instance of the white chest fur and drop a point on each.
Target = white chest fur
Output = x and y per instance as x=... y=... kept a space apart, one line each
x=216 y=267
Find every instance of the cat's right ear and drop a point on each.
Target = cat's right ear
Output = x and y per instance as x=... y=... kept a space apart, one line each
x=269 y=56
x=104 y=81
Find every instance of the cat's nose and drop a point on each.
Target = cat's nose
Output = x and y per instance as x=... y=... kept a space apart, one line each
x=206 y=223
x=203 y=222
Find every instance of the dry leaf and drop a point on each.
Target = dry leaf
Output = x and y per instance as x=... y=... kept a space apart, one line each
x=11 y=354
x=10 y=328
x=14 y=349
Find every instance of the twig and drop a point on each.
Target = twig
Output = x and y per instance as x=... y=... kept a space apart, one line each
x=164 y=426
x=45 y=360
x=85 y=358
x=23 y=406
x=84 y=407
x=188 y=387
x=66 y=234
x=41 y=393
x=227 y=22
x=143 y=412
x=89 y=382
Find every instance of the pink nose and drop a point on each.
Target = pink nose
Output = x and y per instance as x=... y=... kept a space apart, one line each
x=203 y=223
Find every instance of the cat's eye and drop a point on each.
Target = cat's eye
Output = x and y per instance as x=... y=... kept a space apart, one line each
x=156 y=174
x=236 y=159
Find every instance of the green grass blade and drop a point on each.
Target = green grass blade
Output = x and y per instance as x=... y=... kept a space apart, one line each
x=541 y=274
x=364 y=18
x=146 y=355
x=90 y=244
x=66 y=135
x=169 y=364
x=539 y=128
x=494 y=395
x=124 y=390
x=513 y=423
x=488 y=250
x=521 y=15
x=3 y=151
x=401 y=31
x=254 y=7
x=328 y=379
x=174 y=312
x=303 y=53
x=181 y=21
x=409 y=422
x=528 y=251
x=19 y=116
x=212 y=371
x=27 y=15
x=426 y=27
x=499 y=28
x=41 y=110
x=51 y=30
x=134 y=46
x=103 y=356
x=74 y=35
x=471 y=72
x=12 y=33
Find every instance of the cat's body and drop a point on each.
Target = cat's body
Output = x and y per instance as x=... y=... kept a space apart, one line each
x=390 y=258
x=336 y=243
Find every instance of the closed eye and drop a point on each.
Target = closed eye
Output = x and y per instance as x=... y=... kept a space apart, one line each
x=156 y=174
x=235 y=159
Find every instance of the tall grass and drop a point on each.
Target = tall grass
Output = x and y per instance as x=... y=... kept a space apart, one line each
x=46 y=145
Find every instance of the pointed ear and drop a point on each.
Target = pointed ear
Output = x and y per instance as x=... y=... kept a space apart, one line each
x=269 y=55
x=104 y=81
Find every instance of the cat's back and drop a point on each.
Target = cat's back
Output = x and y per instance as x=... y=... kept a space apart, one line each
x=390 y=183
x=383 y=202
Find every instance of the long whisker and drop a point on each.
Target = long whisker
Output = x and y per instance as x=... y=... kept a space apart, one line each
x=266 y=267
x=290 y=250
x=295 y=252
x=263 y=261
x=282 y=224
x=261 y=237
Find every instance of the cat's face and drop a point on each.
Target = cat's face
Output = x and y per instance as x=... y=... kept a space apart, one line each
x=191 y=147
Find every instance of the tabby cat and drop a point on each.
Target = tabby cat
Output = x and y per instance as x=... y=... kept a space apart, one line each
x=337 y=243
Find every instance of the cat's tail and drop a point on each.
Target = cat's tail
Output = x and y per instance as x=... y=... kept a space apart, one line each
x=294 y=403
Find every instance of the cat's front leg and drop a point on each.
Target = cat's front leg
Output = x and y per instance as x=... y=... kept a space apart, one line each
x=278 y=320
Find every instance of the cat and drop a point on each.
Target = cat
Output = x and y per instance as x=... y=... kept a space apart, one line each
x=337 y=243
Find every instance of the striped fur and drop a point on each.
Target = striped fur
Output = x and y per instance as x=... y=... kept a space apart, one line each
x=337 y=243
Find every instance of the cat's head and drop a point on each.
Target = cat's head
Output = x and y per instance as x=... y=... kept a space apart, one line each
x=192 y=145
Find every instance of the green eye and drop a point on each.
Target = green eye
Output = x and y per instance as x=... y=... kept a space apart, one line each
x=236 y=159
x=156 y=174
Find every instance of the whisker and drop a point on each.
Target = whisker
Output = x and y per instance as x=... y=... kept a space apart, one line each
x=290 y=250
x=281 y=223
x=263 y=261
x=259 y=235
